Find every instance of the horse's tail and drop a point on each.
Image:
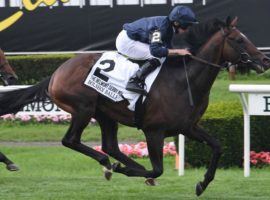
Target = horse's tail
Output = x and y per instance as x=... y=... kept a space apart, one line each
x=13 y=101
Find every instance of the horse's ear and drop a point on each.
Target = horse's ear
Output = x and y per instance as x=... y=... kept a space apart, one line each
x=228 y=21
x=234 y=22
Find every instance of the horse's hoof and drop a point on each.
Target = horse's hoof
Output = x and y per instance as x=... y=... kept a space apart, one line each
x=12 y=167
x=199 y=189
x=116 y=166
x=107 y=173
x=151 y=182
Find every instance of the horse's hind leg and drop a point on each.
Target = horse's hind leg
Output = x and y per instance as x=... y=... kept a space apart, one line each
x=200 y=135
x=72 y=139
x=155 y=141
x=9 y=164
x=110 y=143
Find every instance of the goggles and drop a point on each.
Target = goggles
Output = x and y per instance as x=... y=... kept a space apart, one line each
x=185 y=26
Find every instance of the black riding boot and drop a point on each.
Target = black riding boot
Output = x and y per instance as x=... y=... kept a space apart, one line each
x=136 y=82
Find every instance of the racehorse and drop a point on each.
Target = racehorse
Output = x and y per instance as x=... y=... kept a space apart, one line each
x=167 y=107
x=8 y=77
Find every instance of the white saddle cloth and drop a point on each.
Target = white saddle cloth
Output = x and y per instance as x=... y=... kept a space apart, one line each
x=110 y=75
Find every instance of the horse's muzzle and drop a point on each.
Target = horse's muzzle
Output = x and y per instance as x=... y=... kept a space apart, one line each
x=261 y=64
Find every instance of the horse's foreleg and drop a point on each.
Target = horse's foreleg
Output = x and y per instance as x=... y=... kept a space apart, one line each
x=109 y=130
x=200 y=135
x=72 y=139
x=9 y=164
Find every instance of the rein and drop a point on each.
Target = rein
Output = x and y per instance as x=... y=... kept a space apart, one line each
x=244 y=57
x=191 y=101
x=205 y=61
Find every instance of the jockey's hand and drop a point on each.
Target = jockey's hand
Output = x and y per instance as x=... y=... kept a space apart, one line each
x=183 y=52
x=179 y=52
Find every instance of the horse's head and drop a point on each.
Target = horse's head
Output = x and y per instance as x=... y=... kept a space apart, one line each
x=7 y=74
x=239 y=50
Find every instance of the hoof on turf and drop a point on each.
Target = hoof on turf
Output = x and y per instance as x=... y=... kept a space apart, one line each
x=12 y=167
x=107 y=173
x=199 y=189
x=151 y=182
x=116 y=166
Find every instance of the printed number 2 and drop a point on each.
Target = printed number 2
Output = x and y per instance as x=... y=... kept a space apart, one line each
x=108 y=69
x=156 y=37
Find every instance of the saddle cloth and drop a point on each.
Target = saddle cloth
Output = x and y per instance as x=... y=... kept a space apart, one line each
x=110 y=75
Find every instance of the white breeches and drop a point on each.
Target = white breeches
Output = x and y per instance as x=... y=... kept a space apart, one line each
x=131 y=48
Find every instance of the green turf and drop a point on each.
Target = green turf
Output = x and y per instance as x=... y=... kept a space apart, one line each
x=54 y=132
x=220 y=89
x=59 y=173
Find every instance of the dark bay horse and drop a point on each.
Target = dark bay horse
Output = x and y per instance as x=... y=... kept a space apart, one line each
x=8 y=77
x=167 y=107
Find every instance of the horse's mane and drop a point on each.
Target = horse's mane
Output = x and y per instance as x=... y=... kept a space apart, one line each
x=198 y=34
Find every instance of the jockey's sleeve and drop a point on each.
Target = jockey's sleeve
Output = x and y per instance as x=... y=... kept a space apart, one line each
x=157 y=48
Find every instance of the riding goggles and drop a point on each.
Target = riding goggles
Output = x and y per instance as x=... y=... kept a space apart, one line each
x=185 y=26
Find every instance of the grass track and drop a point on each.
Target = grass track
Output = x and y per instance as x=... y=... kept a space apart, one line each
x=55 y=132
x=59 y=173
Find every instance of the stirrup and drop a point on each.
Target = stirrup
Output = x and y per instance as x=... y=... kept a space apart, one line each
x=135 y=87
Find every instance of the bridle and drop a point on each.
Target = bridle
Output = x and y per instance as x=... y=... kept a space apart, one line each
x=243 y=55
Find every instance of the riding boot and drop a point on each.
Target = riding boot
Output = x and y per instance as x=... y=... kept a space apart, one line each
x=136 y=82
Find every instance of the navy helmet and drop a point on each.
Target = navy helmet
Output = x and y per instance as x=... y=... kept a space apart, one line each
x=183 y=15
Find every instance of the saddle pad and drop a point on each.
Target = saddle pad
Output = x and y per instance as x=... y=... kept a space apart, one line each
x=110 y=75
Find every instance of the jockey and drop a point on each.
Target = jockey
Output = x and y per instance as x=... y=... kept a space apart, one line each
x=150 y=39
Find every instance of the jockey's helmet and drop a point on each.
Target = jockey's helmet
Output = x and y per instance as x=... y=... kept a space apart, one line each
x=184 y=16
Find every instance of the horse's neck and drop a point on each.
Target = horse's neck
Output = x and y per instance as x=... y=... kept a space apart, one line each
x=203 y=75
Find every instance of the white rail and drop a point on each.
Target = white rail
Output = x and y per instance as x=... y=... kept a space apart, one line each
x=258 y=103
